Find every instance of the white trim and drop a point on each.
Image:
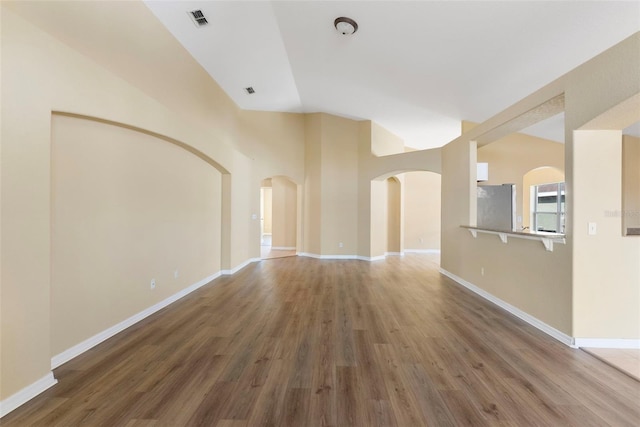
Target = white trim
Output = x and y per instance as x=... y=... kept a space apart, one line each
x=239 y=267
x=352 y=257
x=372 y=258
x=310 y=255
x=29 y=392
x=89 y=343
x=549 y=330
x=607 y=343
x=547 y=239
x=338 y=256
x=283 y=248
x=394 y=254
x=422 y=251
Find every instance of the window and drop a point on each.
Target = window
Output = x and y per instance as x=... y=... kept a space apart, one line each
x=548 y=207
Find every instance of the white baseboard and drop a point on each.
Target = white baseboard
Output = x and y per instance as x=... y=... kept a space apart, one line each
x=607 y=343
x=371 y=258
x=537 y=323
x=352 y=257
x=394 y=254
x=283 y=248
x=89 y=343
x=239 y=267
x=309 y=255
x=422 y=251
x=317 y=256
x=29 y=392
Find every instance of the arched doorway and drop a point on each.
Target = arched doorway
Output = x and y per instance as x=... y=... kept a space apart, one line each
x=279 y=219
x=405 y=214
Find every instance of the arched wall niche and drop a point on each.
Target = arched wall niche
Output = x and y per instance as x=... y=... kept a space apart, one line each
x=162 y=137
x=136 y=217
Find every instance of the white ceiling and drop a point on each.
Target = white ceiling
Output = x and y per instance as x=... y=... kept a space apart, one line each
x=415 y=67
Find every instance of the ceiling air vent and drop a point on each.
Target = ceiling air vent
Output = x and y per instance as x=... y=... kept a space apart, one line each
x=198 y=18
x=250 y=90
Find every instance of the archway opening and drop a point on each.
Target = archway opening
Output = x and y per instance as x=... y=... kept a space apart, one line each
x=279 y=219
x=405 y=215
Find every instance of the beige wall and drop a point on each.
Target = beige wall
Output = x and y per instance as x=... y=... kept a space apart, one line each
x=312 y=184
x=267 y=210
x=386 y=206
x=606 y=268
x=602 y=297
x=339 y=186
x=177 y=103
x=511 y=272
x=564 y=294
x=331 y=185
x=387 y=221
x=126 y=208
x=458 y=202
x=284 y=212
x=394 y=216
x=383 y=142
x=66 y=62
x=379 y=217
x=422 y=204
x=630 y=182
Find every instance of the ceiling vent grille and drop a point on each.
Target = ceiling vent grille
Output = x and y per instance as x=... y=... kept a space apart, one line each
x=198 y=18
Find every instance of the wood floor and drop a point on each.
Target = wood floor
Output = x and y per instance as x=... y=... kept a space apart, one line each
x=304 y=342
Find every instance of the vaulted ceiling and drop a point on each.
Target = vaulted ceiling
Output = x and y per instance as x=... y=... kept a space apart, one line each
x=415 y=67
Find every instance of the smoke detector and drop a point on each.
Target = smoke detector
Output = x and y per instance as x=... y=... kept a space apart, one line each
x=345 y=26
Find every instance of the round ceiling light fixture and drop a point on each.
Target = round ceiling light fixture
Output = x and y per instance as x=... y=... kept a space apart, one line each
x=345 y=26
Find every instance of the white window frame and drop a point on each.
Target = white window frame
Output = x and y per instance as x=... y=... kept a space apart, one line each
x=559 y=213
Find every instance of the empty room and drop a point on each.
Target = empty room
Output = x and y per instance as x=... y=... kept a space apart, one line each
x=319 y=213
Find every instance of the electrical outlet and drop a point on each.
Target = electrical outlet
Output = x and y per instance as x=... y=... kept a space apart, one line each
x=593 y=229
x=421 y=240
x=340 y=245
x=153 y=283
x=175 y=274
x=482 y=271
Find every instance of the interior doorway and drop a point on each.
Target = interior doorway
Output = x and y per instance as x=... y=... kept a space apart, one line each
x=266 y=211
x=405 y=215
x=278 y=217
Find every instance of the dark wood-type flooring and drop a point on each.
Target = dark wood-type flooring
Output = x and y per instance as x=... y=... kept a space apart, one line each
x=304 y=342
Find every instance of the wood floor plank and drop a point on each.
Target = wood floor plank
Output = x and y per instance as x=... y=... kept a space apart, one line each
x=305 y=342
x=349 y=404
x=400 y=394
